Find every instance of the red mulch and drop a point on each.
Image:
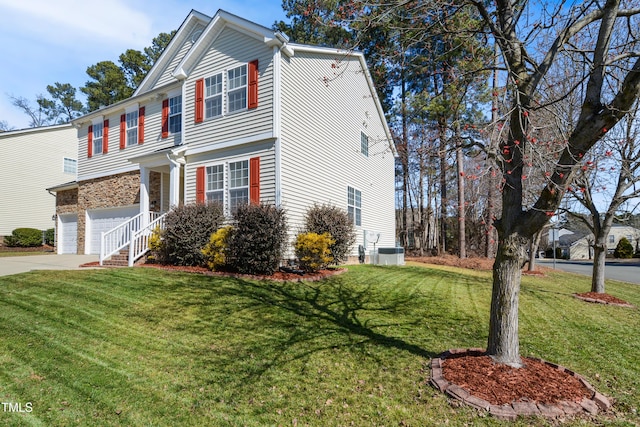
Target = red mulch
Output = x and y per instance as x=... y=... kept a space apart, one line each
x=602 y=298
x=500 y=384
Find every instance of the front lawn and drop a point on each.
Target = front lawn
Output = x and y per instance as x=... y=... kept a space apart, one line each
x=142 y=347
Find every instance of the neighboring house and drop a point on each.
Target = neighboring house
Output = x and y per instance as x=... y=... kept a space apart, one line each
x=233 y=112
x=578 y=245
x=33 y=159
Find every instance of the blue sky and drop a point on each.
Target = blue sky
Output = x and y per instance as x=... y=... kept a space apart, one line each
x=48 y=41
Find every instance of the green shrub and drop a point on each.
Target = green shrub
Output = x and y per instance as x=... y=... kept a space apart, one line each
x=312 y=250
x=215 y=252
x=24 y=238
x=256 y=242
x=324 y=218
x=624 y=249
x=187 y=230
x=49 y=237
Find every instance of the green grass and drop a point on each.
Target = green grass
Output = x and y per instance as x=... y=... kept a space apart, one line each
x=141 y=347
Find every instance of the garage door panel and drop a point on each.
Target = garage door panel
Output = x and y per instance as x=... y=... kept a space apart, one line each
x=103 y=220
x=68 y=234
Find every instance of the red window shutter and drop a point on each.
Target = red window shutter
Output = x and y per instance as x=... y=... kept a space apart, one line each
x=141 y=112
x=90 y=141
x=254 y=180
x=105 y=137
x=200 y=180
x=165 y=118
x=123 y=131
x=199 y=115
x=253 y=84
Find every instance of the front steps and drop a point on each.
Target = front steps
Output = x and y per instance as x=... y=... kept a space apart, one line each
x=121 y=259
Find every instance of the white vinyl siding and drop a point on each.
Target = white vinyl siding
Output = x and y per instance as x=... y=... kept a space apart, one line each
x=166 y=76
x=39 y=155
x=229 y=51
x=116 y=161
x=322 y=144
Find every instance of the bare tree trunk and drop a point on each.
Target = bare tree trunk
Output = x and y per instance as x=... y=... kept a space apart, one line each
x=442 y=154
x=503 y=345
x=462 y=238
x=597 y=275
x=533 y=249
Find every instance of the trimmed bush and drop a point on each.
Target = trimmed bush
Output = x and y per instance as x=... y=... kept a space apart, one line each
x=24 y=238
x=330 y=219
x=624 y=249
x=187 y=230
x=256 y=242
x=50 y=236
x=312 y=250
x=215 y=252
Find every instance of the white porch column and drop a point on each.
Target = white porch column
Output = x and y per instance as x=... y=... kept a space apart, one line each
x=144 y=190
x=174 y=183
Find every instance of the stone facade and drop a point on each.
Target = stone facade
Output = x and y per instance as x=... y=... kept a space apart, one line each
x=106 y=192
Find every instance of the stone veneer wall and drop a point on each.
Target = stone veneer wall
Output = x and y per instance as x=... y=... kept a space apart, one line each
x=106 y=192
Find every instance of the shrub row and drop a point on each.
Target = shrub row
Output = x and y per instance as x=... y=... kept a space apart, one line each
x=254 y=241
x=29 y=237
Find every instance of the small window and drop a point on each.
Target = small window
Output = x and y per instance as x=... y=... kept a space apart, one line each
x=612 y=238
x=132 y=128
x=70 y=166
x=175 y=114
x=354 y=205
x=97 y=138
x=215 y=183
x=238 y=184
x=237 y=88
x=213 y=96
x=364 y=144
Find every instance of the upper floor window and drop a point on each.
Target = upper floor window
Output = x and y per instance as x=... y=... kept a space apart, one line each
x=213 y=96
x=132 y=127
x=175 y=114
x=70 y=166
x=215 y=183
x=97 y=137
x=354 y=205
x=237 y=88
x=364 y=144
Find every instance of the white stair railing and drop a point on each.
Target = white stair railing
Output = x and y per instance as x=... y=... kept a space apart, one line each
x=140 y=239
x=116 y=239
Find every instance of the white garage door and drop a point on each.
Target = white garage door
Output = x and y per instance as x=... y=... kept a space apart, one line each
x=68 y=234
x=102 y=220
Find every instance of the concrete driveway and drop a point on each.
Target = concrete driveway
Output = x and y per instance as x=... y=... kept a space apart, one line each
x=22 y=264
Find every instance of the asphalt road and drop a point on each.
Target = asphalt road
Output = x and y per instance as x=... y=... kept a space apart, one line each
x=624 y=271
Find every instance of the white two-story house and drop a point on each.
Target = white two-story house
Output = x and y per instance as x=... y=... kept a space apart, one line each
x=233 y=112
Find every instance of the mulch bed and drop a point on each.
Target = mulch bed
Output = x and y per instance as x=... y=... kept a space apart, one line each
x=278 y=276
x=538 y=388
x=602 y=298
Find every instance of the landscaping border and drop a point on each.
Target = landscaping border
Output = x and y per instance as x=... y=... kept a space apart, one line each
x=598 y=301
x=592 y=406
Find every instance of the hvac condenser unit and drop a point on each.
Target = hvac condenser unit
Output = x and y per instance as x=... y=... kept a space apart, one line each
x=390 y=256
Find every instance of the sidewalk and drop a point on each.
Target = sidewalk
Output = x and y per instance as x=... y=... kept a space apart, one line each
x=22 y=264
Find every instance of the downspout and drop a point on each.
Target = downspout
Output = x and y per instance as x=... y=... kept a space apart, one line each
x=277 y=112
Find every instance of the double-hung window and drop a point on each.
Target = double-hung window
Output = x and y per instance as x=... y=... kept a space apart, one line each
x=238 y=184
x=175 y=114
x=97 y=137
x=213 y=96
x=132 y=128
x=70 y=166
x=215 y=184
x=237 y=89
x=354 y=205
x=364 y=144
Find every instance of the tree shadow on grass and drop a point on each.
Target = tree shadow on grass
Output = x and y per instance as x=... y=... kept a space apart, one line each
x=299 y=319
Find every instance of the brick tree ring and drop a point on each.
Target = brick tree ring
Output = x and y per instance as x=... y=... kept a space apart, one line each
x=538 y=389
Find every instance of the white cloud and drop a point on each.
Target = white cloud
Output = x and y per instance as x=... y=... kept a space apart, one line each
x=61 y=21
